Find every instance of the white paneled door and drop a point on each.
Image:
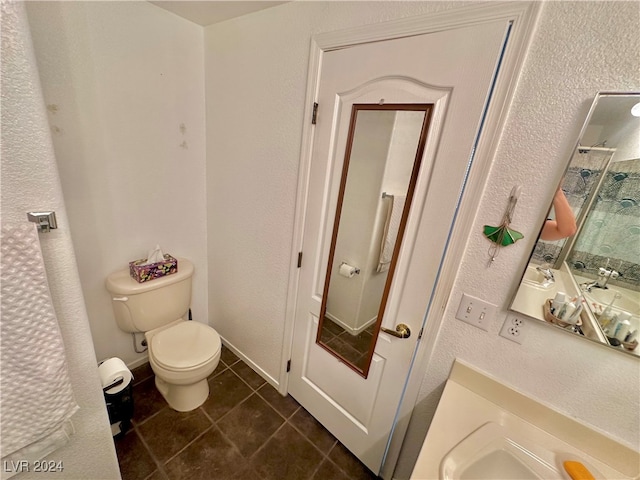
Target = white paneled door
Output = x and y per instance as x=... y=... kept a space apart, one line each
x=453 y=70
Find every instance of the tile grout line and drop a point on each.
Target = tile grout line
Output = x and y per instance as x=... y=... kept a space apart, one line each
x=135 y=423
x=247 y=383
x=278 y=412
x=188 y=444
x=159 y=465
x=235 y=447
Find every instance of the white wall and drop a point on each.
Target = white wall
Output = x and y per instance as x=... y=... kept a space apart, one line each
x=124 y=86
x=30 y=182
x=256 y=76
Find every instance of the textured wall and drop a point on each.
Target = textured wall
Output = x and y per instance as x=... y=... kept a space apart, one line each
x=30 y=182
x=124 y=87
x=256 y=76
x=578 y=49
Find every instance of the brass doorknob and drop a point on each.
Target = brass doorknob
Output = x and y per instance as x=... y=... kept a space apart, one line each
x=401 y=331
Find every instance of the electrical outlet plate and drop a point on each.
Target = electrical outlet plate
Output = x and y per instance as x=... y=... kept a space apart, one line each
x=513 y=328
x=476 y=312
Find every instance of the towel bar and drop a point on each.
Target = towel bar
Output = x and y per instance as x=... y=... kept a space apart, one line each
x=45 y=220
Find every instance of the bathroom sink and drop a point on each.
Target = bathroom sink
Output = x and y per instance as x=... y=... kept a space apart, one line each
x=492 y=452
x=625 y=301
x=484 y=429
x=535 y=278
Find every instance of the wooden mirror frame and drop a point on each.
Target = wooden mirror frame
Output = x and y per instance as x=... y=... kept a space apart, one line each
x=427 y=108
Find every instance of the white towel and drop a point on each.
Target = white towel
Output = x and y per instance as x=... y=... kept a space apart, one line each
x=36 y=399
x=391 y=227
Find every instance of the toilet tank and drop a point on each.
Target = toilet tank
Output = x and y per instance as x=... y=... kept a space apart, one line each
x=140 y=307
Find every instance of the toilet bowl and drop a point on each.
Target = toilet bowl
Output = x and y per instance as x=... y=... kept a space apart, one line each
x=182 y=353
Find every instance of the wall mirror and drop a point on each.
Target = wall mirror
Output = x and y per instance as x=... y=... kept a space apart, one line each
x=597 y=269
x=382 y=158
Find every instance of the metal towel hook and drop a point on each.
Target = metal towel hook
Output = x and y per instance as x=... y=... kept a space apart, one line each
x=45 y=220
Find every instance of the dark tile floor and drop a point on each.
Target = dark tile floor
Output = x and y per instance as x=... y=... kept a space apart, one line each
x=245 y=430
x=353 y=348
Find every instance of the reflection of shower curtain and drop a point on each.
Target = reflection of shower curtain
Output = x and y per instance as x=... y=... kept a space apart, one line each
x=391 y=226
x=610 y=236
x=35 y=391
x=582 y=176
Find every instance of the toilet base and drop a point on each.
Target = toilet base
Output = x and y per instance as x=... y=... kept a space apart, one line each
x=183 y=398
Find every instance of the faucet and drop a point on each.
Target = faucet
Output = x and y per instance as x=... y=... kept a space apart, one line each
x=547 y=274
x=603 y=272
x=588 y=286
x=608 y=275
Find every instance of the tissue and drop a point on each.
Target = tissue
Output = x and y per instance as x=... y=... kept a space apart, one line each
x=155 y=255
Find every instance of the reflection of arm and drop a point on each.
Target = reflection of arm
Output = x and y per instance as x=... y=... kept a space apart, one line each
x=564 y=224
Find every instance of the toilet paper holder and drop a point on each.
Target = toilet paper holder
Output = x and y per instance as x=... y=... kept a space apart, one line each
x=356 y=271
x=115 y=383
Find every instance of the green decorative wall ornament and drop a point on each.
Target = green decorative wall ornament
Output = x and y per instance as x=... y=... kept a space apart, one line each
x=501 y=235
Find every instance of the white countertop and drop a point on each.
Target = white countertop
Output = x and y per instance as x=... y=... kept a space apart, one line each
x=471 y=399
x=529 y=300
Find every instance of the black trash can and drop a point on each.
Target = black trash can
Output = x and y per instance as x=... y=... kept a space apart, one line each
x=120 y=409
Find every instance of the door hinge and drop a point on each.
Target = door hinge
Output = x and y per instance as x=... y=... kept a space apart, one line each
x=420 y=333
x=314 y=115
x=288 y=365
x=299 y=259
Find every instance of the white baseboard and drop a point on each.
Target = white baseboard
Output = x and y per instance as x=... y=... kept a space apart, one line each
x=272 y=381
x=138 y=362
x=347 y=328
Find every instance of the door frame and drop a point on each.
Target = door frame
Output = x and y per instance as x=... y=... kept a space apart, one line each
x=523 y=17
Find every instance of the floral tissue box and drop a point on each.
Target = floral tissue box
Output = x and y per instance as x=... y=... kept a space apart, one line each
x=143 y=273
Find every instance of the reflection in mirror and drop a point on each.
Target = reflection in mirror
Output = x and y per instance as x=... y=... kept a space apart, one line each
x=382 y=159
x=579 y=186
x=597 y=269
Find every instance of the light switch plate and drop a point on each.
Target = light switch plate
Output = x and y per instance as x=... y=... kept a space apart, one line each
x=476 y=312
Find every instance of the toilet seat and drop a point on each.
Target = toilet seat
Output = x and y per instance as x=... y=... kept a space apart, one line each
x=185 y=346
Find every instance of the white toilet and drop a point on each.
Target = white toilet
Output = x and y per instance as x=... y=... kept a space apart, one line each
x=182 y=353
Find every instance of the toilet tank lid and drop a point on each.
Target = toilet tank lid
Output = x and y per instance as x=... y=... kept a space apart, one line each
x=121 y=283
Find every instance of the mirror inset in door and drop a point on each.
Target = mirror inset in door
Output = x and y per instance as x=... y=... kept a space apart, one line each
x=381 y=164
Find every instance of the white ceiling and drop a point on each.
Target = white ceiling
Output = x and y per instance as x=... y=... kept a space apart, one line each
x=213 y=11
